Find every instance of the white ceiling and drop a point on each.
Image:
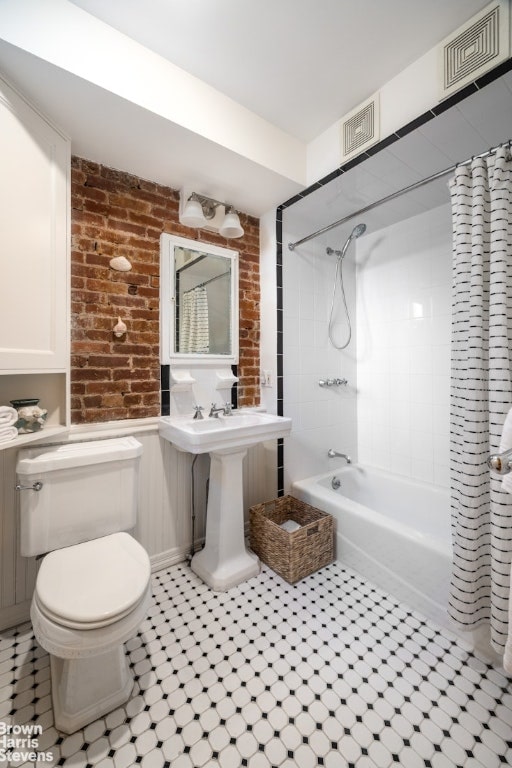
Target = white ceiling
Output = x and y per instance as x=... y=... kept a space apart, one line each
x=299 y=64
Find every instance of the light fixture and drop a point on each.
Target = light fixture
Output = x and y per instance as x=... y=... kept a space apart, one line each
x=207 y=213
x=193 y=215
x=231 y=226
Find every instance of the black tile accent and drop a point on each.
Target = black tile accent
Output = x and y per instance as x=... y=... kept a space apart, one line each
x=295 y=199
x=355 y=161
x=454 y=99
x=234 y=388
x=280 y=470
x=438 y=109
x=166 y=402
x=333 y=175
x=165 y=376
x=313 y=187
x=279 y=341
x=494 y=74
x=421 y=120
x=384 y=144
x=280 y=380
x=279 y=296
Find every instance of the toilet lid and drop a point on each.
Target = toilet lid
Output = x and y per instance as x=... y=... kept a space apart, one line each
x=94 y=583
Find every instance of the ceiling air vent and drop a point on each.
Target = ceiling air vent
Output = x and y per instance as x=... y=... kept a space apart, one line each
x=360 y=128
x=475 y=48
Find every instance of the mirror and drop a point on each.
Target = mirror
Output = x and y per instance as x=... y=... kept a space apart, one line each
x=198 y=302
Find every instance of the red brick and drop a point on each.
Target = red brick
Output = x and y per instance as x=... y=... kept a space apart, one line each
x=114 y=214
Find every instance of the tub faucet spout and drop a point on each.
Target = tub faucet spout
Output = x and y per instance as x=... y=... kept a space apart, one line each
x=332 y=454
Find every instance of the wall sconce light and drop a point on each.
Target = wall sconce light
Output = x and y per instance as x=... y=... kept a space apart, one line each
x=207 y=213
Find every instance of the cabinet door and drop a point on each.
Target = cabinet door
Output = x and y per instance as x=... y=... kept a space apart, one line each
x=34 y=211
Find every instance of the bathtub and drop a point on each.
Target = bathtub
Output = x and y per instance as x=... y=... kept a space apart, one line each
x=393 y=530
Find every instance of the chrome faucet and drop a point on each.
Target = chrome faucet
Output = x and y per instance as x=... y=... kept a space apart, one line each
x=332 y=454
x=226 y=409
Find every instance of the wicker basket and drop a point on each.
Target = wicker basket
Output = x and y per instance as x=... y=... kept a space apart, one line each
x=292 y=555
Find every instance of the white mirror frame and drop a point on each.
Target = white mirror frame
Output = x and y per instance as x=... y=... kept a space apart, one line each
x=168 y=355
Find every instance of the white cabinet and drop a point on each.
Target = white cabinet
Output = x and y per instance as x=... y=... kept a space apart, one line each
x=34 y=257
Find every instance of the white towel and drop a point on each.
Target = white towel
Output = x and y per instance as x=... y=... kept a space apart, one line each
x=290 y=526
x=506 y=445
x=507 y=656
x=7 y=434
x=8 y=416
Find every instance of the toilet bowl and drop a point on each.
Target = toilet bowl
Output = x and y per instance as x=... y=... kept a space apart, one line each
x=91 y=594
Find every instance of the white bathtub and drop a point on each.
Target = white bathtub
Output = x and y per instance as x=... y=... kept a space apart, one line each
x=394 y=531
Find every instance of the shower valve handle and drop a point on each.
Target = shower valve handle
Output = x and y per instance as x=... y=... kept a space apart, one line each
x=332 y=382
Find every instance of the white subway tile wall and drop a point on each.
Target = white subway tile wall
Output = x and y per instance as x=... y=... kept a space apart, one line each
x=403 y=346
x=394 y=413
x=323 y=417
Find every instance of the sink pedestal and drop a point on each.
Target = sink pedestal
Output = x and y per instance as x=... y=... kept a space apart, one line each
x=225 y=562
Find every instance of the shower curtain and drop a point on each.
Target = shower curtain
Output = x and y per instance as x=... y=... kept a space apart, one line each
x=481 y=392
x=194 y=327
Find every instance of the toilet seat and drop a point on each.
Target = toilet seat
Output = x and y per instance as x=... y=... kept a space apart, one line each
x=94 y=584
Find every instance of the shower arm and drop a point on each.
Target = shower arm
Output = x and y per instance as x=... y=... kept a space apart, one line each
x=501 y=463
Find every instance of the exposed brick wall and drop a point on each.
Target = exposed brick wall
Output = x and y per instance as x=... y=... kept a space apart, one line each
x=117 y=214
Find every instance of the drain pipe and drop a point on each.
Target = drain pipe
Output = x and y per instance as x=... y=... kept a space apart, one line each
x=193 y=511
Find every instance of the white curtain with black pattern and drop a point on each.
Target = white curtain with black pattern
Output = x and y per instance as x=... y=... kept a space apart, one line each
x=194 y=328
x=481 y=392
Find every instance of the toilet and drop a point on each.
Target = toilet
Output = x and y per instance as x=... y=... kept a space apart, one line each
x=93 y=586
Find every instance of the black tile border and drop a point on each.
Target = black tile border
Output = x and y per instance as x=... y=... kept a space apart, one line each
x=438 y=109
x=430 y=114
x=165 y=394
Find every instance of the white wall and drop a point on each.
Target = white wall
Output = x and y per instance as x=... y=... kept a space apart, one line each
x=411 y=93
x=403 y=346
x=59 y=32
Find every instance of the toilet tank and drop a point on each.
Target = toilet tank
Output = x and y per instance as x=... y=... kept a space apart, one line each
x=89 y=490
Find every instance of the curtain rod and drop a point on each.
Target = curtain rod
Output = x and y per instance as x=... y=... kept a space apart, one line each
x=201 y=285
x=393 y=195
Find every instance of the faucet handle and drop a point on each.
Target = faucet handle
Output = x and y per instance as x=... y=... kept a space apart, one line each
x=228 y=409
x=197 y=412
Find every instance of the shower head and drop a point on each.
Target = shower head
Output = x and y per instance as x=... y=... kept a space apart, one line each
x=358 y=230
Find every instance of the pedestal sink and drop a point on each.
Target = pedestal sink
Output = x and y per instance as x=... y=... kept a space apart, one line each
x=224 y=561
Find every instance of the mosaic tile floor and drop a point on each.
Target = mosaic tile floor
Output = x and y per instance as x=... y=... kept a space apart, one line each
x=331 y=672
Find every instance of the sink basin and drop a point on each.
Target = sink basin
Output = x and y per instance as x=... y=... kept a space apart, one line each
x=223 y=433
x=224 y=560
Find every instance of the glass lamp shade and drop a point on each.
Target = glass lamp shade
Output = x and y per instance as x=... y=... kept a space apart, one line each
x=193 y=215
x=231 y=226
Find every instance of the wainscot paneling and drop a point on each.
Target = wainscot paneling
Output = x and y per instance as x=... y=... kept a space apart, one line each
x=164 y=520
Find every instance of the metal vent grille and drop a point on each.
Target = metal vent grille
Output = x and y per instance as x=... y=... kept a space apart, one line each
x=475 y=48
x=360 y=128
